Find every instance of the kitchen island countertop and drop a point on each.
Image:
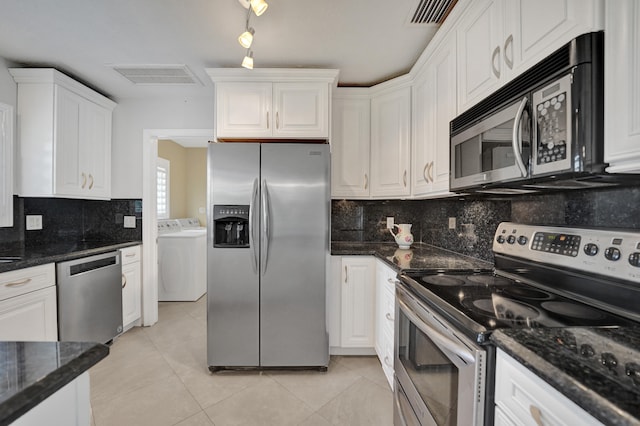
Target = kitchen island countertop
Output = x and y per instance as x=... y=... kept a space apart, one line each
x=420 y=256
x=562 y=357
x=33 y=371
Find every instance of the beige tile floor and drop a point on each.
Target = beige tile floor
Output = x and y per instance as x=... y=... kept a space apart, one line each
x=158 y=376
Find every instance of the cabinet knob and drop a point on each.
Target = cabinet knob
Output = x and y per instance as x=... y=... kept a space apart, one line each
x=424 y=173
x=494 y=55
x=389 y=317
x=90 y=181
x=366 y=181
x=404 y=178
x=84 y=180
x=507 y=60
x=431 y=171
x=277 y=120
x=346 y=275
x=267 y=119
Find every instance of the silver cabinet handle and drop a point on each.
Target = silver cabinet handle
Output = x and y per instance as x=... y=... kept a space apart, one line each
x=267 y=119
x=346 y=275
x=386 y=361
x=404 y=178
x=130 y=255
x=431 y=171
x=516 y=138
x=389 y=317
x=508 y=42
x=253 y=226
x=494 y=55
x=424 y=173
x=536 y=414
x=277 y=119
x=366 y=181
x=91 y=181
x=124 y=280
x=391 y=281
x=18 y=283
x=84 y=180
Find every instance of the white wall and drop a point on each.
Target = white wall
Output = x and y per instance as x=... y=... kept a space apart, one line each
x=131 y=117
x=8 y=87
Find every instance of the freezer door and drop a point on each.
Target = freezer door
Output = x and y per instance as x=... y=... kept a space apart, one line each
x=232 y=273
x=295 y=242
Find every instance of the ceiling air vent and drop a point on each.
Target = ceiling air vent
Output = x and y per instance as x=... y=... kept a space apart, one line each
x=432 y=11
x=157 y=74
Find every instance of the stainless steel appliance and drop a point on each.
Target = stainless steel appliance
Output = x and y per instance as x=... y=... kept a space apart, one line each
x=543 y=277
x=90 y=298
x=542 y=130
x=268 y=246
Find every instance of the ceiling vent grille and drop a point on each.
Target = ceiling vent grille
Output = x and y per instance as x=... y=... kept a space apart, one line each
x=157 y=74
x=432 y=11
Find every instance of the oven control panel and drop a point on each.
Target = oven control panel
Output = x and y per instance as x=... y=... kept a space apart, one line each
x=608 y=252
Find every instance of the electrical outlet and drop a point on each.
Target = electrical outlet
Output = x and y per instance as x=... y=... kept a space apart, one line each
x=129 y=221
x=390 y=222
x=452 y=223
x=34 y=222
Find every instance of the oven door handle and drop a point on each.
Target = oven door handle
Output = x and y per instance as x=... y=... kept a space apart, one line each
x=439 y=339
x=516 y=138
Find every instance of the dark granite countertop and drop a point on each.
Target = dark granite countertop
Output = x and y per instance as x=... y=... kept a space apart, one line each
x=33 y=371
x=28 y=256
x=421 y=256
x=569 y=359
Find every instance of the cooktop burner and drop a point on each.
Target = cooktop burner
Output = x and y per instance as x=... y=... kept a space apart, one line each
x=443 y=280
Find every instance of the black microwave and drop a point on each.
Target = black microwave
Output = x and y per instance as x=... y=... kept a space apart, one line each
x=544 y=129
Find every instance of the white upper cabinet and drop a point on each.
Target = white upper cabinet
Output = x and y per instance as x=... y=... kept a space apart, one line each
x=434 y=106
x=390 y=143
x=64 y=137
x=272 y=103
x=622 y=87
x=350 y=143
x=6 y=165
x=499 y=39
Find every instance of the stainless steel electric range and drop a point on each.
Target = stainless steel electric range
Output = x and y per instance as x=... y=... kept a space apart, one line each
x=543 y=277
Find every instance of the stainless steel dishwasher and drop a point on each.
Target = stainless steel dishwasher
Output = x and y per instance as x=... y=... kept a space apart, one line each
x=90 y=298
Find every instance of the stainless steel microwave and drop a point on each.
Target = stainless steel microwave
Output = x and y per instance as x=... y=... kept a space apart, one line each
x=545 y=129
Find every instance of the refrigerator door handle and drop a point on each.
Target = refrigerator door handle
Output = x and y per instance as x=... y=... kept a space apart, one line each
x=264 y=250
x=253 y=226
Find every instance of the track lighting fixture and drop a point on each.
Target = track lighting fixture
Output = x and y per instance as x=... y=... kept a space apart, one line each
x=246 y=38
x=247 y=62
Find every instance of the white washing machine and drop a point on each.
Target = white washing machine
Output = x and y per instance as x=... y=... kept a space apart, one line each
x=182 y=260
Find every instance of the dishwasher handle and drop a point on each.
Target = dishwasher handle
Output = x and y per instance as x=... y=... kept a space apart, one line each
x=90 y=263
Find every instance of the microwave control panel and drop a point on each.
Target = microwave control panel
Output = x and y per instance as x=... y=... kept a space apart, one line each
x=551 y=112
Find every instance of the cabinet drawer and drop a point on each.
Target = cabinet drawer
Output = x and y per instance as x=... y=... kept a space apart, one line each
x=22 y=281
x=130 y=255
x=522 y=395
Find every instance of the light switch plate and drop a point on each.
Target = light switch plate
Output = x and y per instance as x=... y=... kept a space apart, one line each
x=452 y=223
x=34 y=222
x=390 y=222
x=129 y=221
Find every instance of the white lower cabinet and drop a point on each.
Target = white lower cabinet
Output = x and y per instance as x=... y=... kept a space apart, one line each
x=385 y=317
x=131 y=286
x=522 y=398
x=28 y=304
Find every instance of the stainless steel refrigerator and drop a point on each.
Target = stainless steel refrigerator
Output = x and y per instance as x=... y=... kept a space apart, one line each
x=268 y=246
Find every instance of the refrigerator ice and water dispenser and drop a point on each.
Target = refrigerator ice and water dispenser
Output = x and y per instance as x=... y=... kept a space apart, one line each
x=231 y=226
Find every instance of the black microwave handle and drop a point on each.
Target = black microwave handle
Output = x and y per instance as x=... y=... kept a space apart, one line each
x=516 y=139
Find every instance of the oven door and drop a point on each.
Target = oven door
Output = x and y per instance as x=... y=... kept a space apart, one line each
x=440 y=374
x=497 y=149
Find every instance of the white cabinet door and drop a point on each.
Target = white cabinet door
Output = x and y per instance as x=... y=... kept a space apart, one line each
x=350 y=147
x=524 y=399
x=301 y=110
x=390 y=143
x=385 y=317
x=131 y=286
x=358 y=302
x=95 y=150
x=243 y=110
x=70 y=177
x=622 y=87
x=434 y=106
x=30 y=317
x=6 y=165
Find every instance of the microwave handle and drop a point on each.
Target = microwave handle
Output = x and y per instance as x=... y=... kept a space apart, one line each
x=516 y=139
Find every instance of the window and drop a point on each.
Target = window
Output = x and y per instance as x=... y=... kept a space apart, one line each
x=162 y=183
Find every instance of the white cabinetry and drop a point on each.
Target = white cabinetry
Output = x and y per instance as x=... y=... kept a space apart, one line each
x=622 y=87
x=28 y=304
x=499 y=39
x=350 y=143
x=131 y=286
x=6 y=165
x=385 y=317
x=272 y=103
x=390 y=140
x=523 y=398
x=433 y=107
x=64 y=137
x=358 y=302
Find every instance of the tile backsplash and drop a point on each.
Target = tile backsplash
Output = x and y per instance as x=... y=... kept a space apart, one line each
x=478 y=218
x=74 y=220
